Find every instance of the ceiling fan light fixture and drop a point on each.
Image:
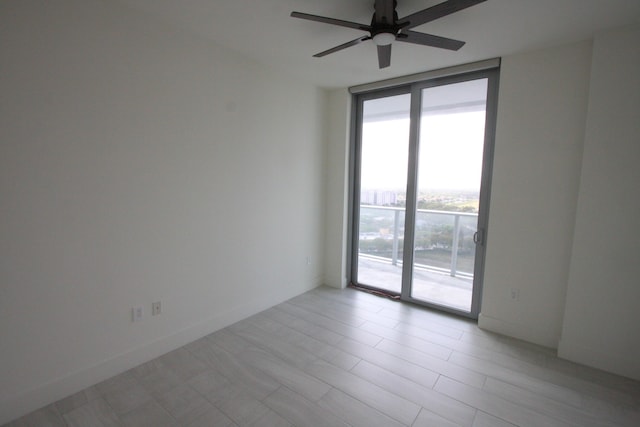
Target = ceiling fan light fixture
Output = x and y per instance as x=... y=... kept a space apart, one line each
x=384 y=39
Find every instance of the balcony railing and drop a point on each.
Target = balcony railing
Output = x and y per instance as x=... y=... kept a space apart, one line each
x=426 y=222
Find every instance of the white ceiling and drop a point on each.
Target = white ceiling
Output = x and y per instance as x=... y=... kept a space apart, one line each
x=263 y=30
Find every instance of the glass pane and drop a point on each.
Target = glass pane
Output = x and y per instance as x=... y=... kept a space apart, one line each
x=451 y=144
x=383 y=185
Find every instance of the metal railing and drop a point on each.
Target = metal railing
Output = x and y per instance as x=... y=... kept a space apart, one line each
x=455 y=243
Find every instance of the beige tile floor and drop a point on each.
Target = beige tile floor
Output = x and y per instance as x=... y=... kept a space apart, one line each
x=346 y=358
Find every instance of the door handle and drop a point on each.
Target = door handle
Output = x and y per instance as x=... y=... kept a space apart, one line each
x=478 y=237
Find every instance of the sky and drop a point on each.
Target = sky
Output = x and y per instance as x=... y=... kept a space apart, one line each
x=450 y=152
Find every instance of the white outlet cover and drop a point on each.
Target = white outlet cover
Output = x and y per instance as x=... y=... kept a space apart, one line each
x=137 y=313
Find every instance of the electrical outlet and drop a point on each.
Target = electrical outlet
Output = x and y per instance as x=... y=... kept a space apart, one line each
x=156 y=308
x=136 y=313
x=515 y=294
x=308 y=260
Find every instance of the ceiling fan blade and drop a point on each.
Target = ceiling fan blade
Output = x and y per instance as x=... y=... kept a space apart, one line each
x=438 y=11
x=332 y=21
x=342 y=46
x=384 y=56
x=384 y=11
x=429 y=40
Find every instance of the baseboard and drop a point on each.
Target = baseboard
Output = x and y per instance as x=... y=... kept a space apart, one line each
x=523 y=332
x=600 y=358
x=72 y=383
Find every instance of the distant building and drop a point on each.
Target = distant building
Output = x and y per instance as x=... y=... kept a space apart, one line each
x=378 y=198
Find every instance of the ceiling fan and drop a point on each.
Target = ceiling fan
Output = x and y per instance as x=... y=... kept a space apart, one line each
x=385 y=27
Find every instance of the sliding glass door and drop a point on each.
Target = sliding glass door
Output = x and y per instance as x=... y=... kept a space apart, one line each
x=451 y=141
x=422 y=169
x=384 y=154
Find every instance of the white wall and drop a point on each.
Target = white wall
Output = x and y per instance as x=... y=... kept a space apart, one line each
x=602 y=316
x=337 y=181
x=138 y=164
x=536 y=171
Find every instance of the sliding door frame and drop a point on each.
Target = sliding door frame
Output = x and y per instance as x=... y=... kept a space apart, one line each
x=355 y=169
x=415 y=89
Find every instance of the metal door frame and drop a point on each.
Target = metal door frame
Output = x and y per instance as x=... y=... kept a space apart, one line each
x=415 y=89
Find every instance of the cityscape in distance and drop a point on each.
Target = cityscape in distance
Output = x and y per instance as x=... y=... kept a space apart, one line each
x=440 y=200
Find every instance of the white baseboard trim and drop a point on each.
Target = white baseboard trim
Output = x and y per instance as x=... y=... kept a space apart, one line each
x=523 y=332
x=600 y=358
x=60 y=388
